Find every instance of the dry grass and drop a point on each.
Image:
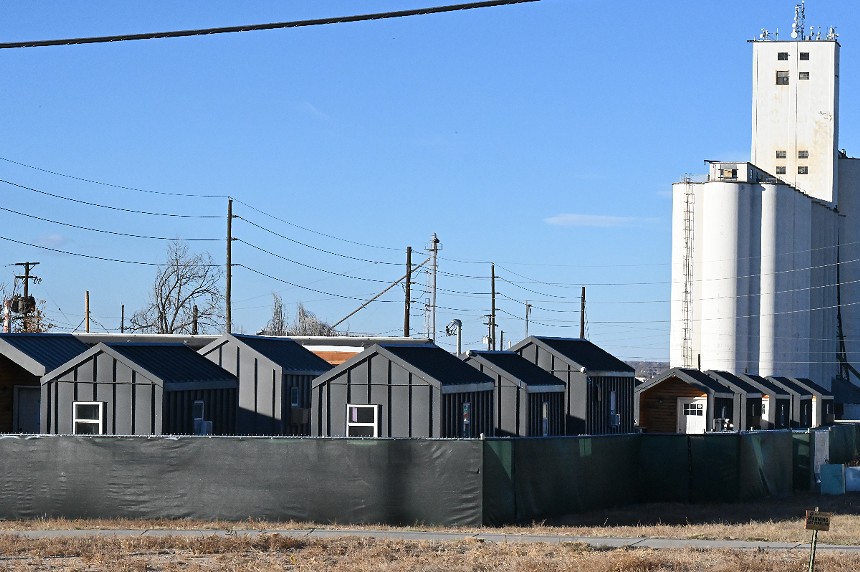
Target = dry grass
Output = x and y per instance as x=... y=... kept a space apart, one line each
x=275 y=552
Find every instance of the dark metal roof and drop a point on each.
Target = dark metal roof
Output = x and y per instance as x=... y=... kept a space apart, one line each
x=772 y=388
x=791 y=385
x=285 y=352
x=50 y=350
x=518 y=367
x=687 y=375
x=732 y=379
x=584 y=354
x=845 y=391
x=173 y=363
x=438 y=364
x=808 y=383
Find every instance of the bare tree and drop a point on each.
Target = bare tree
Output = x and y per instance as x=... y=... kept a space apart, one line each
x=277 y=325
x=307 y=324
x=186 y=282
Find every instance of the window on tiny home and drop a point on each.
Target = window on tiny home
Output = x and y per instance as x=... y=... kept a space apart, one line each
x=88 y=417
x=544 y=412
x=362 y=420
x=294 y=396
x=467 y=420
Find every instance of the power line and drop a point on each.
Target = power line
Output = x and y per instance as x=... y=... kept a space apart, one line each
x=293 y=284
x=123 y=187
x=115 y=233
x=82 y=255
x=258 y=27
x=56 y=196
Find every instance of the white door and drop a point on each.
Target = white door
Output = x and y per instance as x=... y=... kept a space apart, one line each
x=692 y=414
x=25 y=415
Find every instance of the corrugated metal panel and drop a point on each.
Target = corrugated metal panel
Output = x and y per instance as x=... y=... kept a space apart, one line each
x=50 y=350
x=173 y=363
x=286 y=353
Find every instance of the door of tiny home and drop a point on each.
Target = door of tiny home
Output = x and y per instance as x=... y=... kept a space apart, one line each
x=26 y=411
x=692 y=415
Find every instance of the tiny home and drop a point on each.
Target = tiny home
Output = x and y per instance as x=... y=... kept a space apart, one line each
x=683 y=400
x=402 y=391
x=775 y=402
x=139 y=389
x=801 y=401
x=598 y=386
x=823 y=407
x=746 y=414
x=275 y=375
x=529 y=402
x=24 y=359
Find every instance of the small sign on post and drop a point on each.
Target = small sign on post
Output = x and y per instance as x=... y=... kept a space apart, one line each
x=816 y=521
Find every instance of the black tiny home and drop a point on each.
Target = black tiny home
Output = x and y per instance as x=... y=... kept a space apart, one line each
x=275 y=375
x=139 y=389
x=599 y=386
x=529 y=402
x=24 y=359
x=402 y=391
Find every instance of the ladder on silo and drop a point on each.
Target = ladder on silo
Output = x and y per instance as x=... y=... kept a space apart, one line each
x=687 y=302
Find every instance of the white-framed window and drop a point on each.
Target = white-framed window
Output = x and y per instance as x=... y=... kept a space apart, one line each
x=88 y=417
x=362 y=420
x=694 y=408
x=198 y=410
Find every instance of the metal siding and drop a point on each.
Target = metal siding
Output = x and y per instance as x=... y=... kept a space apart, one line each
x=142 y=406
x=65 y=397
x=436 y=417
x=400 y=408
x=104 y=368
x=421 y=409
x=338 y=389
x=509 y=410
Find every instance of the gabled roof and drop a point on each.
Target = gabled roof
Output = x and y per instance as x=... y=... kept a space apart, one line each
x=812 y=387
x=284 y=352
x=580 y=353
x=790 y=385
x=845 y=391
x=690 y=376
x=175 y=366
x=766 y=385
x=523 y=372
x=733 y=382
x=40 y=353
x=429 y=362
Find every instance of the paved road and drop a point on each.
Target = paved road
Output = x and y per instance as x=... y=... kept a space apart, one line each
x=597 y=542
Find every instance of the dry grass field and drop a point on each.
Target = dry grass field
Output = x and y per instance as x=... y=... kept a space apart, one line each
x=774 y=520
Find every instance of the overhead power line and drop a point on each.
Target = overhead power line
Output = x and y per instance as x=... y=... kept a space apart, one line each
x=259 y=27
x=101 y=206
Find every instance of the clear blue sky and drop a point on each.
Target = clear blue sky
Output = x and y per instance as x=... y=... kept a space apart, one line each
x=543 y=137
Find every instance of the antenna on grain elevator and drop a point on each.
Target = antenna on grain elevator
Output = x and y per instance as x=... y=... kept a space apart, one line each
x=799 y=25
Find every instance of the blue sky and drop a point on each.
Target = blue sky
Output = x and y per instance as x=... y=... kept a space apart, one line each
x=542 y=137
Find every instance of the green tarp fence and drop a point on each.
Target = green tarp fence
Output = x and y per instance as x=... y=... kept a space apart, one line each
x=802 y=457
x=843 y=444
x=349 y=481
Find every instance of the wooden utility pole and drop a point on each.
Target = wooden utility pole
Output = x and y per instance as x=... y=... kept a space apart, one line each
x=228 y=287
x=87 y=310
x=122 y=320
x=434 y=253
x=528 y=311
x=26 y=278
x=407 y=307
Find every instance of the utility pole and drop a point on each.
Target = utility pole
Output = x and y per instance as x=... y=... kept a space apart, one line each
x=26 y=278
x=228 y=287
x=87 y=309
x=528 y=312
x=501 y=340
x=122 y=320
x=582 y=315
x=493 y=307
x=434 y=254
x=407 y=307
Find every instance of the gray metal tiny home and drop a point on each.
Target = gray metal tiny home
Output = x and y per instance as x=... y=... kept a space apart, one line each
x=24 y=359
x=529 y=402
x=801 y=401
x=599 y=386
x=745 y=413
x=275 y=377
x=139 y=389
x=402 y=391
x=775 y=402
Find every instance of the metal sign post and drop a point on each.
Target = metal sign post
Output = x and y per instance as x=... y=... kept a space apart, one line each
x=816 y=521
